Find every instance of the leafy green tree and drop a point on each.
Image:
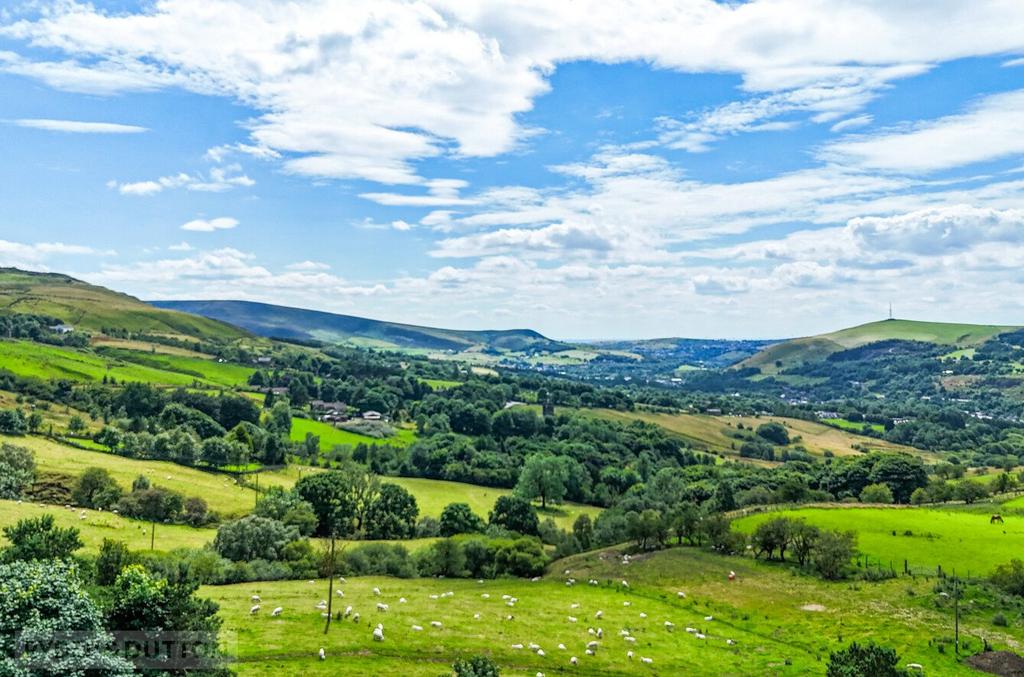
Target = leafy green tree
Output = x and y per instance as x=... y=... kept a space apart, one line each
x=861 y=660
x=970 y=491
x=1010 y=577
x=340 y=498
x=902 y=473
x=833 y=552
x=444 y=557
x=109 y=437
x=113 y=557
x=12 y=422
x=803 y=539
x=76 y=426
x=877 y=493
x=772 y=535
x=154 y=504
x=543 y=476
x=775 y=433
x=96 y=489
x=280 y=419
x=39 y=600
x=583 y=531
x=254 y=537
x=195 y=511
x=523 y=558
x=34 y=421
x=515 y=514
x=392 y=514
x=37 y=538
x=17 y=470
x=459 y=518
x=288 y=508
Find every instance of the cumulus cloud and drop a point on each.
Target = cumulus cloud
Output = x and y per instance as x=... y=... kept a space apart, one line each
x=218 y=180
x=78 y=127
x=308 y=266
x=210 y=225
x=939 y=230
x=338 y=99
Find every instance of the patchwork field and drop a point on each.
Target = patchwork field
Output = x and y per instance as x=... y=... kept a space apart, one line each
x=206 y=370
x=925 y=537
x=331 y=436
x=762 y=611
x=56 y=415
x=717 y=433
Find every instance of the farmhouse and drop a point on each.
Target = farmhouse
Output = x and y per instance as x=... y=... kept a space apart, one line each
x=62 y=329
x=372 y=416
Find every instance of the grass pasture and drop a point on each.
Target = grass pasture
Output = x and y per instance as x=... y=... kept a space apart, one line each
x=221 y=493
x=853 y=426
x=762 y=611
x=99 y=525
x=717 y=433
x=331 y=436
x=40 y=361
x=56 y=415
x=205 y=370
x=958 y=539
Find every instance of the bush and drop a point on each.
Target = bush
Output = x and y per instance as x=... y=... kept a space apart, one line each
x=443 y=558
x=459 y=518
x=38 y=538
x=877 y=493
x=114 y=556
x=515 y=514
x=1009 y=577
x=477 y=666
x=999 y=620
x=775 y=433
x=523 y=557
x=379 y=559
x=859 y=660
x=254 y=537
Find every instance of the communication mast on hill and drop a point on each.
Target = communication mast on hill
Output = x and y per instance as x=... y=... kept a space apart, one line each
x=890 y=310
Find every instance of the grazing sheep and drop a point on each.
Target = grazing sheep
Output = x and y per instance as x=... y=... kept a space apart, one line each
x=510 y=617
x=645 y=659
x=506 y=596
x=378 y=633
x=355 y=617
x=593 y=581
x=574 y=605
x=376 y=591
x=348 y=610
x=625 y=583
x=517 y=646
x=590 y=631
x=435 y=624
x=382 y=607
x=254 y=610
x=340 y=593
x=681 y=595
x=730 y=642
x=709 y=618
x=476 y=617
x=434 y=597
x=627 y=604
x=540 y=674
x=485 y=596
x=669 y=625
x=535 y=579
x=277 y=611
x=600 y=633
x=598 y=614
x=561 y=647
x=540 y=652
x=401 y=600
x=533 y=646
x=341 y=579
x=732 y=575
x=700 y=635
x=915 y=666
x=643 y=615
x=691 y=630
x=417 y=628
x=574 y=661
x=629 y=655
x=256 y=598
x=630 y=639
x=589 y=652
x=323 y=655
x=592 y=644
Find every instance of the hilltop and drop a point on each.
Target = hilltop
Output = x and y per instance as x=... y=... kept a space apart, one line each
x=97 y=309
x=283 y=322
x=810 y=349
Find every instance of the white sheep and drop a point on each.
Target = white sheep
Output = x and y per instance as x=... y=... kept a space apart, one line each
x=540 y=652
x=277 y=611
x=600 y=633
x=435 y=624
x=630 y=639
x=629 y=655
x=323 y=654
x=592 y=644
x=643 y=615
x=348 y=610
x=627 y=604
x=533 y=646
x=700 y=635
x=691 y=630
x=561 y=647
x=517 y=646
x=669 y=625
x=590 y=631
x=341 y=579
x=574 y=605
x=574 y=661
x=485 y=596
x=625 y=583
x=598 y=614
x=256 y=598
x=340 y=593
x=535 y=579
x=709 y=618
x=254 y=610
x=382 y=607
x=376 y=591
x=506 y=596
x=681 y=595
x=476 y=617
x=730 y=642
x=378 y=633
x=915 y=666
x=355 y=617
x=645 y=659
x=589 y=652
x=434 y=597
x=417 y=628
x=401 y=600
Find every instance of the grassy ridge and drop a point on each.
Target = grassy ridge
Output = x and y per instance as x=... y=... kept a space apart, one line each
x=208 y=371
x=761 y=611
x=35 y=360
x=331 y=436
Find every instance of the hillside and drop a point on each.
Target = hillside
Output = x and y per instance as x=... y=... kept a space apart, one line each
x=298 y=323
x=808 y=349
x=93 y=308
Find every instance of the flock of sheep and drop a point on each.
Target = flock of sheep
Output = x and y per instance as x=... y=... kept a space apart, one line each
x=594 y=638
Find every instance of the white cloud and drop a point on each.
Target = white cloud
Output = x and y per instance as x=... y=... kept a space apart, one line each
x=220 y=179
x=308 y=265
x=852 y=123
x=78 y=127
x=363 y=89
x=180 y=247
x=34 y=256
x=210 y=225
x=991 y=129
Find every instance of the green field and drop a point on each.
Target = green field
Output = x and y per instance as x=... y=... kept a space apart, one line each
x=949 y=538
x=433 y=495
x=99 y=525
x=208 y=371
x=331 y=436
x=762 y=611
x=441 y=384
x=220 y=491
x=853 y=426
x=718 y=433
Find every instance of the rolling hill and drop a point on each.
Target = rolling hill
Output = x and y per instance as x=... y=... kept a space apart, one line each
x=94 y=308
x=798 y=351
x=298 y=323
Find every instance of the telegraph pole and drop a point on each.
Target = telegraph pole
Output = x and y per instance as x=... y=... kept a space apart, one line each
x=956 y=613
x=330 y=586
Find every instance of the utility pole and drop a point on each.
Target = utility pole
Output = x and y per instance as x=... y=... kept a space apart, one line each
x=330 y=586
x=152 y=535
x=257 y=487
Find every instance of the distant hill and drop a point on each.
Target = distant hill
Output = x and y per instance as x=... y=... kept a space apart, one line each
x=283 y=322
x=815 y=348
x=93 y=308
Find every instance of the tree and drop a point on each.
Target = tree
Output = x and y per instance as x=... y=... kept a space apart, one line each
x=775 y=433
x=477 y=666
x=459 y=518
x=253 y=537
x=1010 y=577
x=515 y=514
x=803 y=539
x=195 y=511
x=280 y=420
x=444 y=558
x=902 y=473
x=12 y=422
x=37 y=538
x=76 y=426
x=96 y=489
x=113 y=557
x=544 y=476
x=287 y=507
x=859 y=660
x=583 y=530
x=17 y=470
x=970 y=491
x=771 y=535
x=34 y=421
x=392 y=514
x=877 y=493
x=41 y=600
x=833 y=552
x=340 y=498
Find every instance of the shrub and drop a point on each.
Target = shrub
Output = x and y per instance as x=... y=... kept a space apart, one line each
x=254 y=537
x=113 y=557
x=477 y=666
x=775 y=433
x=459 y=518
x=877 y=493
x=379 y=559
x=17 y=470
x=999 y=620
x=1009 y=577
x=515 y=514
x=858 y=660
x=38 y=538
x=96 y=489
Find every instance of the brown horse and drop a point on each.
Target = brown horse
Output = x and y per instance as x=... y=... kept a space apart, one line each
x=996 y=518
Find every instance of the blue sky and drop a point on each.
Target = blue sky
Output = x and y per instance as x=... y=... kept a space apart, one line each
x=587 y=169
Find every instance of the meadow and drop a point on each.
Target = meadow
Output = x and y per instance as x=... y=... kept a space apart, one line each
x=853 y=426
x=56 y=415
x=781 y=624
x=925 y=537
x=207 y=370
x=331 y=436
x=40 y=361
x=718 y=433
